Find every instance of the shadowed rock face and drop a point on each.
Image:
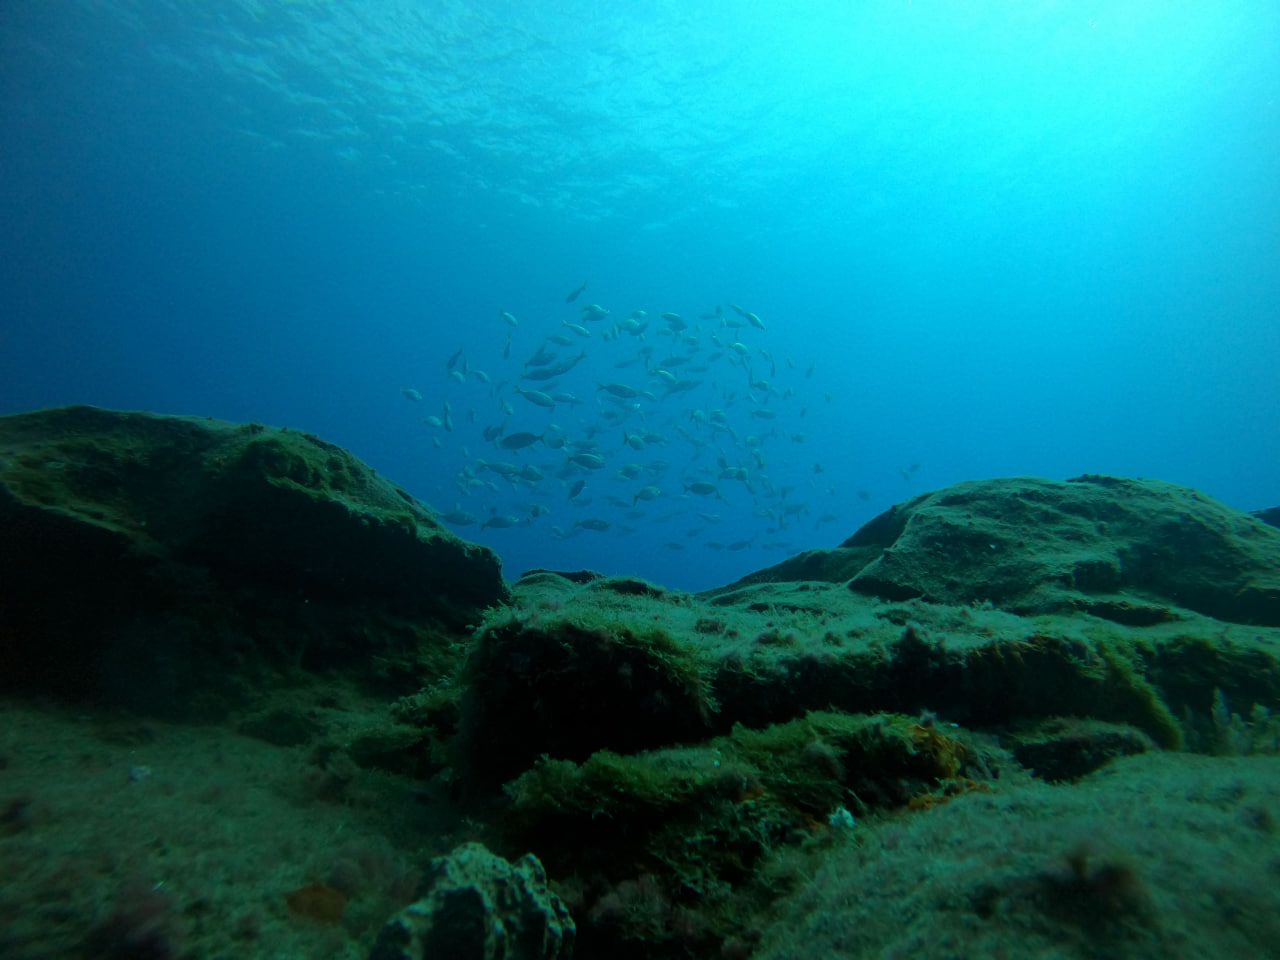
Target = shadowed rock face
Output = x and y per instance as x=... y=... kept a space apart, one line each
x=148 y=548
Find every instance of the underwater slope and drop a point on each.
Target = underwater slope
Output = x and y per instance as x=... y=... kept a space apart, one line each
x=950 y=735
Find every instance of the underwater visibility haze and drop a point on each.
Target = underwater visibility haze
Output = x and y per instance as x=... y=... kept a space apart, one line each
x=799 y=261
x=707 y=480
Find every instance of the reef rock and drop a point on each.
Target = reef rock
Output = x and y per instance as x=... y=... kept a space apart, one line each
x=477 y=906
x=147 y=557
x=1130 y=551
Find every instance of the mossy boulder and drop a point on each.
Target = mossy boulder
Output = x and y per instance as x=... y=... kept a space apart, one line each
x=149 y=558
x=569 y=684
x=1122 y=549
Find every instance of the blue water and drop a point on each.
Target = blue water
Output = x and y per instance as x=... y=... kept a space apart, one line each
x=1006 y=238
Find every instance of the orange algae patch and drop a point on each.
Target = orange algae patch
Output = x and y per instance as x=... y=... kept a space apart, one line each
x=317 y=902
x=949 y=755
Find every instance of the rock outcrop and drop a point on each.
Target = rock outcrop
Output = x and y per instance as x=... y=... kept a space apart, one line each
x=476 y=906
x=147 y=558
x=1131 y=551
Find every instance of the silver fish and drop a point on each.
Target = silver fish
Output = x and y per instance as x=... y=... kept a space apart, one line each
x=459 y=518
x=619 y=390
x=520 y=440
x=502 y=521
x=536 y=397
x=646 y=493
x=592 y=461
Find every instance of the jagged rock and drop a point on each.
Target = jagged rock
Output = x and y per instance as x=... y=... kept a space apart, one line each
x=476 y=906
x=147 y=557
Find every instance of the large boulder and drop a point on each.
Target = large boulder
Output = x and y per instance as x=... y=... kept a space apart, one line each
x=1095 y=543
x=146 y=557
x=1122 y=549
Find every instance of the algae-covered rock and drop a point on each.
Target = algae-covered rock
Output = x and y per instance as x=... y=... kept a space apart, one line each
x=581 y=673
x=1159 y=855
x=145 y=554
x=1067 y=748
x=1118 y=548
x=476 y=906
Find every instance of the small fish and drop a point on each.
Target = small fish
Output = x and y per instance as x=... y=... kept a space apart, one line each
x=591 y=523
x=503 y=521
x=508 y=470
x=453 y=361
x=646 y=493
x=541 y=358
x=576 y=488
x=530 y=474
x=538 y=509
x=493 y=433
x=577 y=328
x=682 y=386
x=560 y=340
x=593 y=311
x=536 y=397
x=510 y=319
x=459 y=518
x=577 y=293
x=619 y=390
x=520 y=440
x=411 y=394
x=634 y=440
x=592 y=461
x=458 y=375
x=433 y=421
x=756 y=321
x=702 y=488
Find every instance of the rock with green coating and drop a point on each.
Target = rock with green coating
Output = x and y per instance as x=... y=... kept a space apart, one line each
x=1122 y=549
x=477 y=906
x=147 y=557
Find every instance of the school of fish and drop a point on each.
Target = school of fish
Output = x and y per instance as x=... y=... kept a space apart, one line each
x=604 y=422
